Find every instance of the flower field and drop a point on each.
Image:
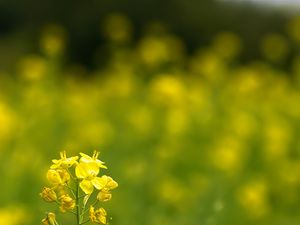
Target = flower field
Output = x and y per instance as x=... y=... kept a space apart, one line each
x=198 y=138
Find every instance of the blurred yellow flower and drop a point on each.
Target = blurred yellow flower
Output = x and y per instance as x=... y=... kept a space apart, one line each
x=141 y=118
x=7 y=121
x=177 y=121
x=98 y=215
x=228 y=155
x=209 y=65
x=277 y=134
x=118 y=28
x=155 y=50
x=32 y=67
x=53 y=40
x=167 y=90
x=254 y=199
x=14 y=216
x=274 y=47
x=227 y=45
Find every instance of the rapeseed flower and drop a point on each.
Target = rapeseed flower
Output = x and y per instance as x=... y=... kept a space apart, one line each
x=94 y=159
x=48 y=194
x=58 y=177
x=67 y=203
x=98 y=216
x=87 y=173
x=104 y=195
x=67 y=189
x=50 y=219
x=108 y=184
x=64 y=162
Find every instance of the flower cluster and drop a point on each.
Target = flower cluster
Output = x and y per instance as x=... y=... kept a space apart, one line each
x=74 y=181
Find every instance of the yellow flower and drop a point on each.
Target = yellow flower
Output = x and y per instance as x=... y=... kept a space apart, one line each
x=54 y=177
x=64 y=162
x=48 y=194
x=104 y=195
x=98 y=216
x=88 y=173
x=87 y=159
x=67 y=203
x=108 y=184
x=58 y=177
x=50 y=219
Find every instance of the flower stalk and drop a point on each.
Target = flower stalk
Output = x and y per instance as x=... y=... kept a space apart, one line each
x=77 y=205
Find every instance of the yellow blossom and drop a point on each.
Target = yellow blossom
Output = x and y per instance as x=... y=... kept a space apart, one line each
x=86 y=178
x=87 y=159
x=64 y=162
x=50 y=219
x=58 y=177
x=54 y=177
x=48 y=194
x=67 y=203
x=108 y=184
x=98 y=216
x=88 y=173
x=104 y=195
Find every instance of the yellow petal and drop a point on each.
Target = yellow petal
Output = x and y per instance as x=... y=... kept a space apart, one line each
x=93 y=168
x=111 y=184
x=100 y=164
x=98 y=183
x=85 y=158
x=81 y=171
x=84 y=170
x=86 y=186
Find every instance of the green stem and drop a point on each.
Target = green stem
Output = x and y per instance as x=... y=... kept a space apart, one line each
x=93 y=204
x=77 y=204
x=85 y=222
x=72 y=191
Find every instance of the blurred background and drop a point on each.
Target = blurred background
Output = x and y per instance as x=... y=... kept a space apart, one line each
x=194 y=106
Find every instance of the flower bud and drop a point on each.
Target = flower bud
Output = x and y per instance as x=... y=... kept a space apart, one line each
x=98 y=216
x=104 y=195
x=64 y=175
x=50 y=219
x=109 y=182
x=67 y=203
x=48 y=194
x=54 y=177
x=58 y=176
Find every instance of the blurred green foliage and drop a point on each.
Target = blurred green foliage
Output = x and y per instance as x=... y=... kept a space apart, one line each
x=196 y=22
x=191 y=139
